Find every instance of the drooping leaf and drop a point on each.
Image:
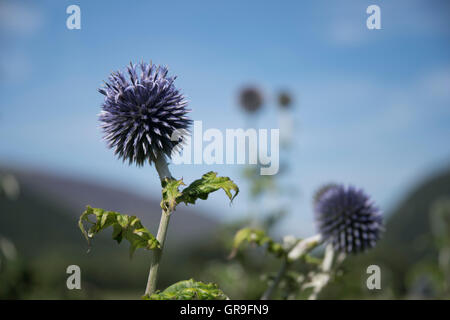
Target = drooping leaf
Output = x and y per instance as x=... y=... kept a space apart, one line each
x=189 y=290
x=210 y=182
x=258 y=237
x=124 y=227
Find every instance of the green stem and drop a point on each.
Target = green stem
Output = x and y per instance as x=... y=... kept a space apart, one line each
x=163 y=172
x=162 y=168
x=157 y=254
x=298 y=251
x=276 y=282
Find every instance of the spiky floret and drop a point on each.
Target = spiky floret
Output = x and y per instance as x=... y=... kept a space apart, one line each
x=141 y=112
x=324 y=188
x=347 y=218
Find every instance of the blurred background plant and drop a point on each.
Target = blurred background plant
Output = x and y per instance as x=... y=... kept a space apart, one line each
x=430 y=277
x=16 y=277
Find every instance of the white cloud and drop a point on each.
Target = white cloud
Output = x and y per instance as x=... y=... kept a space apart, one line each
x=19 y=19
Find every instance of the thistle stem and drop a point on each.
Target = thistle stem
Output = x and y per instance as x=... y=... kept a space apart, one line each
x=276 y=282
x=163 y=172
x=162 y=168
x=325 y=276
x=157 y=254
x=304 y=246
x=298 y=251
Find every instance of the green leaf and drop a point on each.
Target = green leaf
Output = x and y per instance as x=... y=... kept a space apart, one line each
x=258 y=237
x=170 y=193
x=189 y=290
x=199 y=189
x=210 y=182
x=124 y=227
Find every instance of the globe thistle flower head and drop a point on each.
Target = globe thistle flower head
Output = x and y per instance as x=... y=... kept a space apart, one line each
x=141 y=111
x=347 y=218
x=251 y=99
x=284 y=100
x=319 y=193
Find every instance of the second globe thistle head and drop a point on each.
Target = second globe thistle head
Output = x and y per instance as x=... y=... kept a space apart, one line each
x=284 y=99
x=141 y=112
x=251 y=99
x=347 y=218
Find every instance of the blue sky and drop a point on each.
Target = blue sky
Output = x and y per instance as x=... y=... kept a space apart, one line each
x=372 y=106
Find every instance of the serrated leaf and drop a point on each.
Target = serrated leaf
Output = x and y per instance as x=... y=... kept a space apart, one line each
x=199 y=189
x=124 y=227
x=170 y=193
x=258 y=237
x=210 y=182
x=189 y=290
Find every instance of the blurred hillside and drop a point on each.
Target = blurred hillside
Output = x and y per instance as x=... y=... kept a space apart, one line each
x=42 y=225
x=74 y=195
x=407 y=254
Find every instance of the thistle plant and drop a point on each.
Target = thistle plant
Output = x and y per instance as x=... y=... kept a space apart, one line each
x=347 y=222
x=144 y=119
x=347 y=218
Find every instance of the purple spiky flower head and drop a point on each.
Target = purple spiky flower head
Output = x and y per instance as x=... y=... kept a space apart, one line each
x=347 y=218
x=141 y=111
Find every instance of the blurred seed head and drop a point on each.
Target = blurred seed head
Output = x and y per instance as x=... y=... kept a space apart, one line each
x=284 y=99
x=347 y=218
x=251 y=99
x=141 y=111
